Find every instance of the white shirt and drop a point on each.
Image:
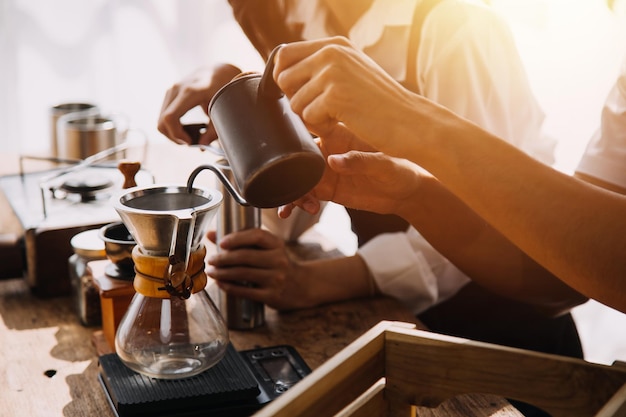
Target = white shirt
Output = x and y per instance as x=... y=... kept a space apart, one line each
x=605 y=155
x=468 y=62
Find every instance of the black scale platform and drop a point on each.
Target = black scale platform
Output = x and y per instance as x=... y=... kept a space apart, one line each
x=227 y=389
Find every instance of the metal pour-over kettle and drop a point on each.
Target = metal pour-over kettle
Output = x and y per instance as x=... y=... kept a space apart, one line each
x=272 y=155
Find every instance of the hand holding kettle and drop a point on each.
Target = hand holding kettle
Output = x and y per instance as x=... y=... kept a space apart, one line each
x=271 y=153
x=197 y=89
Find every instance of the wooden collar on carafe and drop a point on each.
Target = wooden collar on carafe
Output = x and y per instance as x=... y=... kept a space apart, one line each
x=151 y=271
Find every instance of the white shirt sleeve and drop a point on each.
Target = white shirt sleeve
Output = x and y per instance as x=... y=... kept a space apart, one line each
x=605 y=155
x=467 y=62
x=406 y=267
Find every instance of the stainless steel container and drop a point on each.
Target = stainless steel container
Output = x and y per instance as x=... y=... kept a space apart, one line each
x=239 y=313
x=81 y=136
x=272 y=154
x=62 y=109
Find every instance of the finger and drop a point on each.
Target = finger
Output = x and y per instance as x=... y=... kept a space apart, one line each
x=169 y=96
x=299 y=62
x=308 y=203
x=185 y=99
x=309 y=103
x=250 y=237
x=212 y=236
x=285 y=211
x=295 y=52
x=306 y=83
x=209 y=134
x=358 y=162
x=182 y=103
x=242 y=275
x=169 y=118
x=341 y=133
x=169 y=125
x=166 y=118
x=250 y=257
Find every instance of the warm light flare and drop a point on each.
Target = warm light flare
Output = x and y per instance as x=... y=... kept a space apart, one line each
x=572 y=51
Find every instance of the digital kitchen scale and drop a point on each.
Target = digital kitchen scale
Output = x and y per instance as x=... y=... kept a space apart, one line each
x=240 y=384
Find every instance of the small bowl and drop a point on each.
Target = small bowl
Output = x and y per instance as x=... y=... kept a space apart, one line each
x=118 y=245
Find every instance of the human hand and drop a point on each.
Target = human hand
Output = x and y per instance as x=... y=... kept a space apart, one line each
x=329 y=82
x=197 y=89
x=337 y=140
x=259 y=258
x=369 y=181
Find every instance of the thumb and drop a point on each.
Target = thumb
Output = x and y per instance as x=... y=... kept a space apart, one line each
x=353 y=162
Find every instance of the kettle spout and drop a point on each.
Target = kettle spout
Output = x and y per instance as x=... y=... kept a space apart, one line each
x=222 y=177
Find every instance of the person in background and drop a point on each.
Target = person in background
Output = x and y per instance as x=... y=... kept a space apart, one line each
x=573 y=228
x=462 y=56
x=604 y=160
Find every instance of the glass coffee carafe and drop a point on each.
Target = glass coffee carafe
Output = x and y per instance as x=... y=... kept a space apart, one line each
x=172 y=329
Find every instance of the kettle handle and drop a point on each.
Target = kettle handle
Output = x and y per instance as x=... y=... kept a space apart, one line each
x=267 y=85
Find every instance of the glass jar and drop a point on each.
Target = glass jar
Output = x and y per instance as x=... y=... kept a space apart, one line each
x=87 y=247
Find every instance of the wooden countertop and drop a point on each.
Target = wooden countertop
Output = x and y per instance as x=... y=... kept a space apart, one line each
x=49 y=363
x=49 y=360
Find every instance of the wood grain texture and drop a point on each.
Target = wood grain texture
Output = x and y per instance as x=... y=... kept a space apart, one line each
x=49 y=360
x=428 y=375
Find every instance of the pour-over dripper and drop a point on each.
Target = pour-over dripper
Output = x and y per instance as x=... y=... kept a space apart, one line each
x=172 y=328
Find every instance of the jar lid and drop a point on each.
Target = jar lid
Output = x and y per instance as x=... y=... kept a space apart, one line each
x=88 y=244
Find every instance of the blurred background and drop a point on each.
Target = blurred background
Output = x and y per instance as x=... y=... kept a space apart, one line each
x=124 y=54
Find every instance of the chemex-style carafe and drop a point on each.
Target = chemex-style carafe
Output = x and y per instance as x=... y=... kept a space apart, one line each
x=172 y=329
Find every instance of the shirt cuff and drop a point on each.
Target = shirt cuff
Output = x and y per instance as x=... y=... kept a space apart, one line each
x=399 y=271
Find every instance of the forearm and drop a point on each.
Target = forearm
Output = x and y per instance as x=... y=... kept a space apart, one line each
x=336 y=279
x=600 y=183
x=573 y=229
x=482 y=253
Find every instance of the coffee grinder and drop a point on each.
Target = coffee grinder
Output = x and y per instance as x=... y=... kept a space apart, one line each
x=240 y=313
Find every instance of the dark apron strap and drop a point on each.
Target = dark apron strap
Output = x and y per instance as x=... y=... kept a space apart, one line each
x=419 y=15
x=365 y=224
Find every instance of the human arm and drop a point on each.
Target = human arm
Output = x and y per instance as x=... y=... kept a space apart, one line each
x=197 y=89
x=466 y=61
x=552 y=217
x=382 y=184
x=263 y=22
x=256 y=256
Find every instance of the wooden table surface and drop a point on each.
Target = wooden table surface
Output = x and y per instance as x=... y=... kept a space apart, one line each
x=49 y=362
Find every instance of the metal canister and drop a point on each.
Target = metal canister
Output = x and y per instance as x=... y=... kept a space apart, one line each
x=62 y=109
x=81 y=136
x=239 y=313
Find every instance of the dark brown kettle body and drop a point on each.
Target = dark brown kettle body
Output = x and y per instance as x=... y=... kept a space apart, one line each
x=270 y=151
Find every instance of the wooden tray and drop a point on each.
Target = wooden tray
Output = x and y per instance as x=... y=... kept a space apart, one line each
x=396 y=370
